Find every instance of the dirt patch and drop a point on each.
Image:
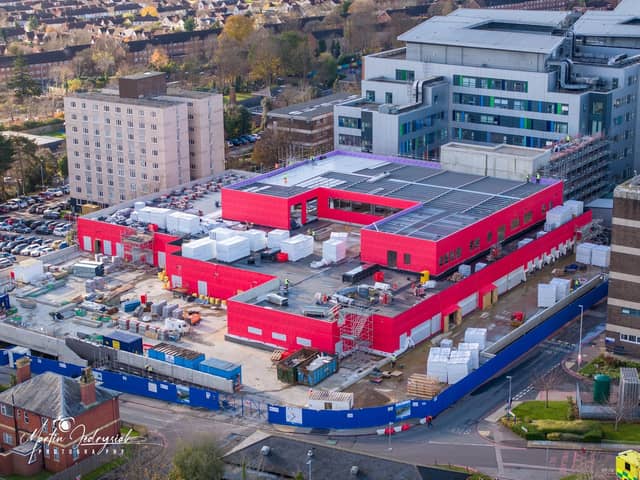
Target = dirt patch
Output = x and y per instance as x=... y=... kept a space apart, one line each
x=390 y=390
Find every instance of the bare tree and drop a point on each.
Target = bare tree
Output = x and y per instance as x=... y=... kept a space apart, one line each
x=546 y=381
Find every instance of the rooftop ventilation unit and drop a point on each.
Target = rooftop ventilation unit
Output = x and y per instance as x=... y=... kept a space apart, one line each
x=265 y=450
x=380 y=176
x=354 y=471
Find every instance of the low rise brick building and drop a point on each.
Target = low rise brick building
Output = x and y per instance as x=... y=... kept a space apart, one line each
x=51 y=422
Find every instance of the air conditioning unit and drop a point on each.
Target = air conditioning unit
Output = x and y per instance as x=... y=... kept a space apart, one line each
x=354 y=471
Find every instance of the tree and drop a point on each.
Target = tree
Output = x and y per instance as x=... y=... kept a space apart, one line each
x=237 y=120
x=270 y=149
x=149 y=11
x=441 y=7
x=238 y=27
x=21 y=82
x=107 y=54
x=547 y=381
x=264 y=61
x=189 y=24
x=201 y=460
x=6 y=161
x=295 y=54
x=160 y=60
x=360 y=30
x=326 y=69
x=33 y=24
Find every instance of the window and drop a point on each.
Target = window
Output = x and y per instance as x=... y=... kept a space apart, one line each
x=489 y=236
x=6 y=410
x=528 y=217
x=515 y=223
x=7 y=438
x=129 y=111
x=388 y=97
x=56 y=454
x=349 y=122
x=75 y=452
x=370 y=96
x=501 y=230
x=407 y=258
x=26 y=417
x=349 y=140
x=44 y=421
x=405 y=75
x=106 y=108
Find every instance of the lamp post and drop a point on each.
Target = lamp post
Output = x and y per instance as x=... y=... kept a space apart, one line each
x=390 y=430
x=509 y=377
x=309 y=461
x=580 y=338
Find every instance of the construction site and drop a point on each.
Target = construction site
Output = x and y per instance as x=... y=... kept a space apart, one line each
x=336 y=273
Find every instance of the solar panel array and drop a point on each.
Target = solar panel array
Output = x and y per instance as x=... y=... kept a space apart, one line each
x=449 y=200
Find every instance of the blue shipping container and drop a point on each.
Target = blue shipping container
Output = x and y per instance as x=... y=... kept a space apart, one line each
x=176 y=355
x=130 y=305
x=317 y=370
x=124 y=341
x=222 y=368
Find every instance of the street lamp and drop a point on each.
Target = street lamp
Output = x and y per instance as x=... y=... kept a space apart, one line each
x=580 y=339
x=390 y=430
x=310 y=460
x=509 y=377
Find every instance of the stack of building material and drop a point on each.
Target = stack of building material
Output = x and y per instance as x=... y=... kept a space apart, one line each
x=575 y=206
x=221 y=233
x=339 y=236
x=437 y=363
x=276 y=237
x=546 y=295
x=524 y=241
x=464 y=270
x=154 y=215
x=474 y=348
x=185 y=223
x=297 y=247
x=459 y=366
x=476 y=335
x=28 y=271
x=584 y=252
x=563 y=287
x=600 y=256
x=422 y=386
x=167 y=310
x=558 y=216
x=479 y=266
x=257 y=239
x=233 y=249
x=446 y=343
x=201 y=249
x=334 y=250
x=156 y=308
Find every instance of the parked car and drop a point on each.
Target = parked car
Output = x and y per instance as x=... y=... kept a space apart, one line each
x=62 y=231
x=12 y=206
x=18 y=248
x=26 y=251
x=56 y=192
x=5 y=263
x=51 y=214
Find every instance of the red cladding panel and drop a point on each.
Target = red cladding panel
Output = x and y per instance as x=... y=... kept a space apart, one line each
x=280 y=328
x=222 y=281
x=411 y=254
x=255 y=208
x=96 y=230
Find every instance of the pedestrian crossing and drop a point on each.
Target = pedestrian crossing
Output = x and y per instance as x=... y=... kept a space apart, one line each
x=558 y=346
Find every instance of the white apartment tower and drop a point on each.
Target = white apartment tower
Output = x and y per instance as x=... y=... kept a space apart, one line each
x=140 y=139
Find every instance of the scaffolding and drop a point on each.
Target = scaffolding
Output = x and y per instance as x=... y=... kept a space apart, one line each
x=138 y=247
x=355 y=324
x=583 y=164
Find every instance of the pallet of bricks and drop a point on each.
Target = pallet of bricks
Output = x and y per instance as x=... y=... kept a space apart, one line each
x=422 y=386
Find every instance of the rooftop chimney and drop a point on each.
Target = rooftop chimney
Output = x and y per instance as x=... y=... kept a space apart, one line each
x=23 y=369
x=87 y=388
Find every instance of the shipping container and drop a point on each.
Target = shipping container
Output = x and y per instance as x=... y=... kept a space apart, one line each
x=302 y=367
x=359 y=273
x=182 y=357
x=124 y=341
x=87 y=269
x=317 y=370
x=222 y=368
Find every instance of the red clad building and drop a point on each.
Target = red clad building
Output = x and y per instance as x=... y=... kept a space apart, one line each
x=413 y=217
x=72 y=419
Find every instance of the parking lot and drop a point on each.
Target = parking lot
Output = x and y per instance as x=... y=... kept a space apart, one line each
x=34 y=225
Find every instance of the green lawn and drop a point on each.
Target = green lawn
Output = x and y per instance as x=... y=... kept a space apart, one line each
x=552 y=424
x=107 y=467
x=240 y=96
x=606 y=365
x=536 y=410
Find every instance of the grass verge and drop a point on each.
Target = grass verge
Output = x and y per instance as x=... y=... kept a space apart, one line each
x=607 y=365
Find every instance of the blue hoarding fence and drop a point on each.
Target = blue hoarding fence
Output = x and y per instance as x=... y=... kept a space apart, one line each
x=127 y=383
x=383 y=415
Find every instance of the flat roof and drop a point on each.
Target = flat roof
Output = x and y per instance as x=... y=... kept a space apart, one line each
x=616 y=23
x=39 y=140
x=447 y=201
x=313 y=108
x=116 y=99
x=629 y=189
x=509 y=30
x=501 y=148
